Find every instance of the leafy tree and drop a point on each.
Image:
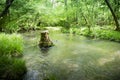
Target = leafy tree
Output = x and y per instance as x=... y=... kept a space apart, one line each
x=113 y=14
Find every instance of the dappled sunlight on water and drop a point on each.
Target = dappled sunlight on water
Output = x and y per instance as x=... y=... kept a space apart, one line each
x=72 y=58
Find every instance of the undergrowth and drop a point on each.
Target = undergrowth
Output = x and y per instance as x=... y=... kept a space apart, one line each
x=11 y=47
x=95 y=33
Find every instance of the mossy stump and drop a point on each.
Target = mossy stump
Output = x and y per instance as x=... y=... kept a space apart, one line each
x=45 y=41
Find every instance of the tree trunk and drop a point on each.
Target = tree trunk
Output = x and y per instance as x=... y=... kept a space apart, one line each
x=45 y=41
x=113 y=14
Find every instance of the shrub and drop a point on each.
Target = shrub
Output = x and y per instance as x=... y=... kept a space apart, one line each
x=107 y=34
x=95 y=33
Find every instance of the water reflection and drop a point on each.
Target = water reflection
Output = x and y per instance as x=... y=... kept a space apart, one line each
x=44 y=50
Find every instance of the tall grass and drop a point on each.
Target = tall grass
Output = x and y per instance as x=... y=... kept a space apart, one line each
x=11 y=44
x=11 y=68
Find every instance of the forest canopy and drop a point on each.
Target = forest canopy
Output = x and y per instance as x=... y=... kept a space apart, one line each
x=17 y=15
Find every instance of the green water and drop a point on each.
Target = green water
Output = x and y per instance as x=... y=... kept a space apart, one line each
x=72 y=58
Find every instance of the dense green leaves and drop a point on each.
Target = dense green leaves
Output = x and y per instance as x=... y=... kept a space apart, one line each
x=27 y=14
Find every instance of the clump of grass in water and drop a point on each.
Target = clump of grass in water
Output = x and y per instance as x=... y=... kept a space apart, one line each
x=11 y=68
x=11 y=46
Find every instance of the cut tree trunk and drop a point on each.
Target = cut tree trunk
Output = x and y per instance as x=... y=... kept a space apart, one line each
x=45 y=41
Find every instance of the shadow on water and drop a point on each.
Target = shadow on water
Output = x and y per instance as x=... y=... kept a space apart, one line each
x=72 y=58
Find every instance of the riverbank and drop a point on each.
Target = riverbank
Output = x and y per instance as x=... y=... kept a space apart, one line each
x=12 y=66
x=97 y=33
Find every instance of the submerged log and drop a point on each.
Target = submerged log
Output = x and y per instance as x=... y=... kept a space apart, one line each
x=45 y=41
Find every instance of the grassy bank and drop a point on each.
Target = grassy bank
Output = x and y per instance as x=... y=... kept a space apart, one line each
x=11 y=47
x=12 y=68
x=96 y=33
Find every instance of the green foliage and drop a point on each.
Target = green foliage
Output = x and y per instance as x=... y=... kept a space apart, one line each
x=30 y=14
x=11 y=45
x=2 y=5
x=107 y=34
x=11 y=68
x=96 y=32
x=11 y=27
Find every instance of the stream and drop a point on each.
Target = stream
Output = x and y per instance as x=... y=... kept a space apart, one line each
x=73 y=57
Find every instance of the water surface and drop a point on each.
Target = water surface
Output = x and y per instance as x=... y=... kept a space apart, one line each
x=72 y=58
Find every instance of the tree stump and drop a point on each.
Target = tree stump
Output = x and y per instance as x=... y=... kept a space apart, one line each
x=45 y=41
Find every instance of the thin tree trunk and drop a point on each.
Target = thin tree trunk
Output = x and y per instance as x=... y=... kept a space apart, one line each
x=113 y=14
